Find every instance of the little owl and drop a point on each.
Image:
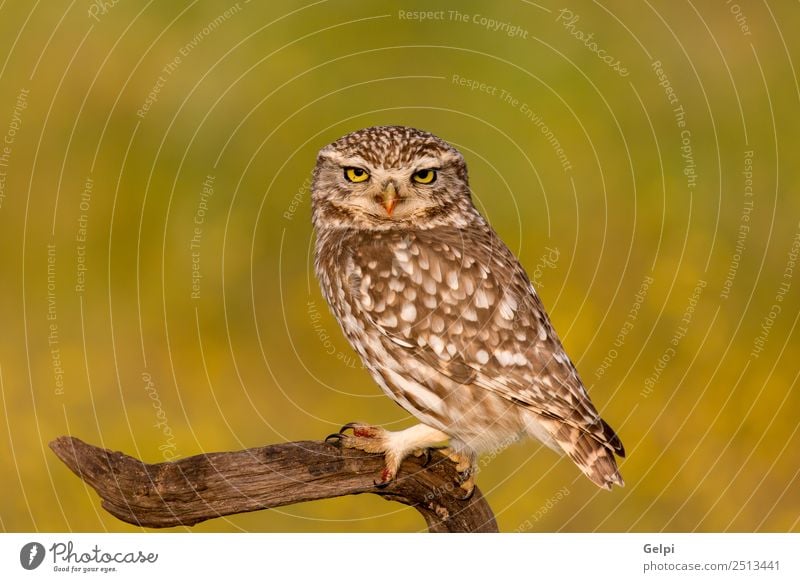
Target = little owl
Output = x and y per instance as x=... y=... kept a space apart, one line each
x=440 y=310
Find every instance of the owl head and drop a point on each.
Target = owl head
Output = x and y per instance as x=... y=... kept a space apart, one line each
x=390 y=177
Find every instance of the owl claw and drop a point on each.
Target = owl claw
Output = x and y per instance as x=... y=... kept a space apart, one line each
x=468 y=486
x=372 y=439
x=466 y=473
x=427 y=453
x=350 y=442
x=360 y=439
x=387 y=476
x=394 y=446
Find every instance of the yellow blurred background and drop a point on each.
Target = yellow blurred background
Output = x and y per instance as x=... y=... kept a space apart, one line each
x=156 y=283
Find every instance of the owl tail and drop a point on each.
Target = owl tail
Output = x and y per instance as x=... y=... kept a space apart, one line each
x=592 y=452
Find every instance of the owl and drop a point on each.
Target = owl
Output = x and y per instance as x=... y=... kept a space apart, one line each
x=441 y=312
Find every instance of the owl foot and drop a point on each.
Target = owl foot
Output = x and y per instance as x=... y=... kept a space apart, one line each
x=426 y=452
x=465 y=465
x=395 y=446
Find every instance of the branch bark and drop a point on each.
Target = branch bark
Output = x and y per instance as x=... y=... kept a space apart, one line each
x=195 y=489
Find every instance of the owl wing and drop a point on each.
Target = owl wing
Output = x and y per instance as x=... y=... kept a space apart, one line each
x=459 y=301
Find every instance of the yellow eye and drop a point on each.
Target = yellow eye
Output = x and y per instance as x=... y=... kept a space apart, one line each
x=424 y=176
x=356 y=174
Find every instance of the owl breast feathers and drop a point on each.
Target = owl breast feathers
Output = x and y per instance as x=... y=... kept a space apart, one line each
x=439 y=309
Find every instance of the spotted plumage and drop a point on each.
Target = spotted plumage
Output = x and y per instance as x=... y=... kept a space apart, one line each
x=439 y=309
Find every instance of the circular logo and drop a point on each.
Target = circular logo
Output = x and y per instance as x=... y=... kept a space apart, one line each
x=31 y=555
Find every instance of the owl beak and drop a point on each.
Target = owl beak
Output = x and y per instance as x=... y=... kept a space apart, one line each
x=389 y=198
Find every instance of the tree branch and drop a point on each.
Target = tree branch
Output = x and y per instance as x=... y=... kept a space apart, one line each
x=195 y=489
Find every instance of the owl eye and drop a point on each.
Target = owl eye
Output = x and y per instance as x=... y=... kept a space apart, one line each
x=424 y=176
x=356 y=174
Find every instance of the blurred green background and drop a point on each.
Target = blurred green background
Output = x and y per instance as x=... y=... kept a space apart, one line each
x=156 y=283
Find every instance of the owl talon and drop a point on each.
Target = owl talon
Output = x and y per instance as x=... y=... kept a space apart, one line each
x=387 y=476
x=468 y=486
x=465 y=465
x=463 y=462
x=334 y=438
x=364 y=431
x=426 y=452
x=394 y=446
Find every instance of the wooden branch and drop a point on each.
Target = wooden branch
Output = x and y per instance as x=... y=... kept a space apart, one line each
x=195 y=489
